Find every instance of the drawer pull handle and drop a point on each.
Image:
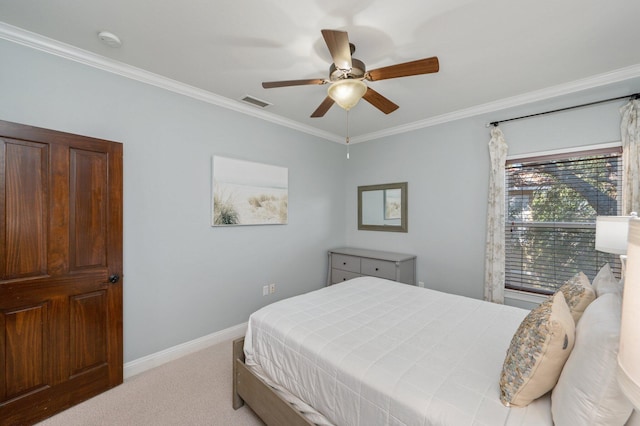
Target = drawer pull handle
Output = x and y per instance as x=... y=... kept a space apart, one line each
x=376 y=269
x=344 y=279
x=344 y=263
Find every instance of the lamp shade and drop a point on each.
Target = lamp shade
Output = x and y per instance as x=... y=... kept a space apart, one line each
x=347 y=92
x=629 y=351
x=611 y=234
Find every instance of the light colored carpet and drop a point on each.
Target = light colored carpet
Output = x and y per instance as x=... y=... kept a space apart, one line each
x=192 y=390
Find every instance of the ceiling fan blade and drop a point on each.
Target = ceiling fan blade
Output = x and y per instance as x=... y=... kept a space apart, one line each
x=379 y=101
x=338 y=44
x=421 y=66
x=285 y=83
x=323 y=108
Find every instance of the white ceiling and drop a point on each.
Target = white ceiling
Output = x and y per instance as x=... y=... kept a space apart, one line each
x=489 y=50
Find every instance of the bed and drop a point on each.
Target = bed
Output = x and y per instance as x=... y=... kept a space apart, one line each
x=371 y=351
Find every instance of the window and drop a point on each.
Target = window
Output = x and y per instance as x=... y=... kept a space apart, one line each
x=551 y=207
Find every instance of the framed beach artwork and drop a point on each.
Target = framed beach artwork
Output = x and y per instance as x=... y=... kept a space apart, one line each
x=248 y=193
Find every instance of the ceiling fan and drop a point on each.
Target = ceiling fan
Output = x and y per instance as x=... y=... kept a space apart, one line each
x=347 y=73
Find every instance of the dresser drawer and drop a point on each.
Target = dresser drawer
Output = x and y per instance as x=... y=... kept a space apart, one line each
x=346 y=263
x=338 y=275
x=378 y=268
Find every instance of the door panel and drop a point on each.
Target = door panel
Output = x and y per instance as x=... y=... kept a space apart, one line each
x=88 y=195
x=88 y=331
x=60 y=240
x=26 y=360
x=25 y=209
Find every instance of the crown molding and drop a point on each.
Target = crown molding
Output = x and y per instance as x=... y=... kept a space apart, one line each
x=63 y=50
x=54 y=47
x=511 y=102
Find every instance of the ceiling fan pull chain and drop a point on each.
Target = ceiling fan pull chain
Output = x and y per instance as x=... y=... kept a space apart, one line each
x=347 y=134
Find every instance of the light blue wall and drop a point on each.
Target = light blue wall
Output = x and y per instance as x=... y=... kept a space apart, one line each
x=447 y=170
x=447 y=187
x=184 y=279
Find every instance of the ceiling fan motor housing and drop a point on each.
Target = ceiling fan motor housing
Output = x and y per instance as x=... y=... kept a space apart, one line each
x=358 y=70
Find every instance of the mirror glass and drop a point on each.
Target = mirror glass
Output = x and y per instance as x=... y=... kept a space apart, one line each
x=383 y=207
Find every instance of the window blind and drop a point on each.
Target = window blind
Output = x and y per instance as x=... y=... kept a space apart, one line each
x=551 y=207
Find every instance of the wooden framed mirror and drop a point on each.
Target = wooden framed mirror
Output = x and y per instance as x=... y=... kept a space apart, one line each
x=383 y=207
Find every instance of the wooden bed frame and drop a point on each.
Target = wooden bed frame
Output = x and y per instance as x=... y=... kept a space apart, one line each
x=259 y=396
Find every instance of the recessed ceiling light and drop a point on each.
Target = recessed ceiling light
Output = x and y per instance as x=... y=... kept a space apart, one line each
x=109 y=39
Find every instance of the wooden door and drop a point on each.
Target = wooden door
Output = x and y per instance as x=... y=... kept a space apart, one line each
x=60 y=270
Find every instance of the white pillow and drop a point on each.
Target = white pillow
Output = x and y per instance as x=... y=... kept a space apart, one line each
x=605 y=282
x=587 y=392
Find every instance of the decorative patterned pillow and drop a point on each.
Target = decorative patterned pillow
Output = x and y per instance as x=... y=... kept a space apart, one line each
x=537 y=353
x=578 y=293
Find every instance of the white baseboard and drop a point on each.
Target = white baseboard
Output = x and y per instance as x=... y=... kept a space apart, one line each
x=148 y=362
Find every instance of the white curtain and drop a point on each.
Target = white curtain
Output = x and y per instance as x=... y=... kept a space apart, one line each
x=495 y=255
x=630 y=131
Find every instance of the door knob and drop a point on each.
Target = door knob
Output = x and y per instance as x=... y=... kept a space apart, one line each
x=114 y=278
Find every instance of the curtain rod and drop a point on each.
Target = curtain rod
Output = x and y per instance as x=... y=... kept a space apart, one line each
x=495 y=123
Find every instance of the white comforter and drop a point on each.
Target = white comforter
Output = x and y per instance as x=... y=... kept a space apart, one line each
x=374 y=352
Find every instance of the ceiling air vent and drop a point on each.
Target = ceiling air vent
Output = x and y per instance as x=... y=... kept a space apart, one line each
x=255 y=101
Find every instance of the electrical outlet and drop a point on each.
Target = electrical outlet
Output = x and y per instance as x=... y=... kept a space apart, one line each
x=420 y=284
x=265 y=290
x=272 y=288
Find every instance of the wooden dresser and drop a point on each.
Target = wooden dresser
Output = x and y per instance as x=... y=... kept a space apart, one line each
x=346 y=263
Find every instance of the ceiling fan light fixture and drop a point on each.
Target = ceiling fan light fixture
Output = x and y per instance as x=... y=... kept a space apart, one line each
x=347 y=92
